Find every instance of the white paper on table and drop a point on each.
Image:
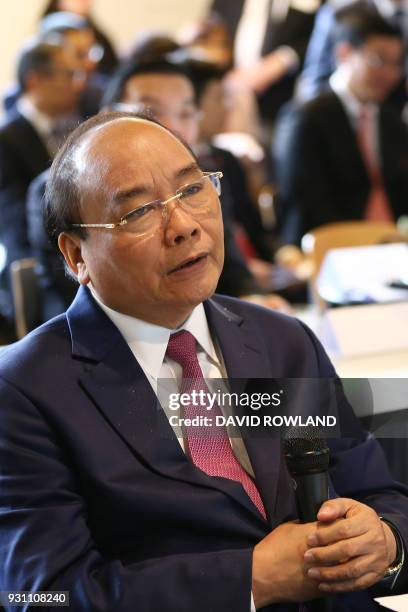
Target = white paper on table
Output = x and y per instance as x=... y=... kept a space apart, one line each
x=363 y=273
x=398 y=603
x=367 y=329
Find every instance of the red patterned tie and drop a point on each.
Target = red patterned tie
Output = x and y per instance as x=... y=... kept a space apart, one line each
x=209 y=447
x=378 y=207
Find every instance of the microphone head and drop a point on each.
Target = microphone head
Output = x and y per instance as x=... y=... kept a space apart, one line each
x=306 y=451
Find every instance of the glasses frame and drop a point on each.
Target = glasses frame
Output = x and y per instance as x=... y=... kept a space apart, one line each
x=374 y=60
x=155 y=203
x=69 y=75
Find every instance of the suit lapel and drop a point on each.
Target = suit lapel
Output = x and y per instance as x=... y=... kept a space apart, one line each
x=246 y=358
x=28 y=139
x=115 y=382
x=345 y=137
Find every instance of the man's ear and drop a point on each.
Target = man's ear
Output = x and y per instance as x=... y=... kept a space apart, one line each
x=70 y=246
x=342 y=51
x=32 y=81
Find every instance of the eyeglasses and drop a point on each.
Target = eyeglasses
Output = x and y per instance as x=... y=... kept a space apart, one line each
x=69 y=75
x=375 y=60
x=194 y=198
x=96 y=53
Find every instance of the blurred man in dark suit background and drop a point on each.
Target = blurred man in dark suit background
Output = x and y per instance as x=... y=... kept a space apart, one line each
x=320 y=61
x=344 y=154
x=30 y=134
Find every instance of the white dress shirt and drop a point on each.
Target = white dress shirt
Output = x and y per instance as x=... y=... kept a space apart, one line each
x=253 y=24
x=251 y=32
x=42 y=123
x=148 y=343
x=52 y=131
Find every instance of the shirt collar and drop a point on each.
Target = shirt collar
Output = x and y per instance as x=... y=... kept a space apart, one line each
x=339 y=84
x=41 y=122
x=148 y=341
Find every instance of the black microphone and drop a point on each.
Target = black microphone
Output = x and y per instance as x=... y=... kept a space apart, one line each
x=307 y=458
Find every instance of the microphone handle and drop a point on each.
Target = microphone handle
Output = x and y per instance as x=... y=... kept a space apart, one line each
x=311 y=491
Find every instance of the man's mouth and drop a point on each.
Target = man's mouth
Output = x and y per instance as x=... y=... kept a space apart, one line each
x=191 y=262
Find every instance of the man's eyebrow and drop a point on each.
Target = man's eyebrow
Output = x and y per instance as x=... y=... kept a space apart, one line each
x=132 y=192
x=187 y=170
x=148 y=99
x=152 y=100
x=140 y=190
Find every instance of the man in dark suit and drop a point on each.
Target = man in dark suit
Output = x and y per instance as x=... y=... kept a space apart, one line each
x=101 y=495
x=76 y=34
x=29 y=137
x=344 y=154
x=270 y=40
x=320 y=60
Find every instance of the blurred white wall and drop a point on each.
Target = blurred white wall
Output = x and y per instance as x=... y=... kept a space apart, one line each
x=121 y=19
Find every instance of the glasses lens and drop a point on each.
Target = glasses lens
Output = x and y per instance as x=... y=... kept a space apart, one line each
x=96 y=53
x=145 y=218
x=196 y=195
x=216 y=182
x=195 y=198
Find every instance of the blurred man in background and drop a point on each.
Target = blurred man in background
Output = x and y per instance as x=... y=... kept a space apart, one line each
x=320 y=60
x=344 y=154
x=30 y=135
x=79 y=38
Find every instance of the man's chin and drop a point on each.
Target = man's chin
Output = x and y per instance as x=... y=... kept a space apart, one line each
x=199 y=293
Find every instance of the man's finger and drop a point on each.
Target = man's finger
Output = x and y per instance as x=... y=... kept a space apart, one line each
x=335 y=508
x=351 y=570
x=359 y=584
x=342 y=529
x=341 y=551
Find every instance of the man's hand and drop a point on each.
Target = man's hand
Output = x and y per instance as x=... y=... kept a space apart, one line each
x=351 y=547
x=279 y=572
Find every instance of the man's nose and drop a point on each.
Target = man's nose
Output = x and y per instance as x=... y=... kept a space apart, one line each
x=179 y=224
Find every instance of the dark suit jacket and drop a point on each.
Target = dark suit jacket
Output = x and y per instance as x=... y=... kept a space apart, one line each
x=294 y=31
x=320 y=173
x=97 y=496
x=23 y=156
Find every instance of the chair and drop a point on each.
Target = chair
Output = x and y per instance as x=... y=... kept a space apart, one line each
x=26 y=295
x=317 y=242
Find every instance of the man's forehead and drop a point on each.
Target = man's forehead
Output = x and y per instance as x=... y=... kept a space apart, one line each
x=106 y=143
x=151 y=84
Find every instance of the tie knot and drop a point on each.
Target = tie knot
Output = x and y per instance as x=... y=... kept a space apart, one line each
x=182 y=348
